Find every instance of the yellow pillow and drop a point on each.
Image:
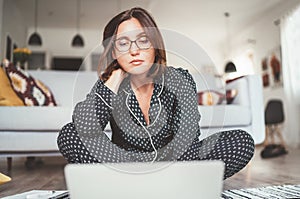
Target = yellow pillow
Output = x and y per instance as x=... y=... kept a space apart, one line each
x=8 y=97
x=4 y=178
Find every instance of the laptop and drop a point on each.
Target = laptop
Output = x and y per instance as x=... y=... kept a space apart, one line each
x=159 y=180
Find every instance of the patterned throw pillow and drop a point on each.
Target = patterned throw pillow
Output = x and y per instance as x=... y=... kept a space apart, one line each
x=8 y=97
x=32 y=92
x=210 y=98
x=230 y=95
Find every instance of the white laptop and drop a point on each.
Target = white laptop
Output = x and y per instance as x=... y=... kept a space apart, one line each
x=159 y=180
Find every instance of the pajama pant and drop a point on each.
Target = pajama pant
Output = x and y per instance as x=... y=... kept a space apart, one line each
x=235 y=148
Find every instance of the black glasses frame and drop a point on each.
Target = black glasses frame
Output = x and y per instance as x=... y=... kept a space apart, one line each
x=134 y=41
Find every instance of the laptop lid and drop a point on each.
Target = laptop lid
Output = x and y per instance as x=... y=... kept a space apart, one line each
x=176 y=180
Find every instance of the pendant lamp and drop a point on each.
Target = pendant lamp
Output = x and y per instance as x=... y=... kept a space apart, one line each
x=35 y=38
x=229 y=66
x=77 y=40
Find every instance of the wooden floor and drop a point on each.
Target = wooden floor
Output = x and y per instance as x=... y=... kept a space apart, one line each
x=260 y=172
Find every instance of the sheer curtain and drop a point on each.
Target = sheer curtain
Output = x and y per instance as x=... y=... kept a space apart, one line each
x=290 y=44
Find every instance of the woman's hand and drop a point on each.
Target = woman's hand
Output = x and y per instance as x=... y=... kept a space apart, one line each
x=115 y=79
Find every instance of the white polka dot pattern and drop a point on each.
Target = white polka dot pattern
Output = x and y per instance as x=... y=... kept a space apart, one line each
x=174 y=127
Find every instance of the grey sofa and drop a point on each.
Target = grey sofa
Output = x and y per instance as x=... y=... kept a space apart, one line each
x=32 y=131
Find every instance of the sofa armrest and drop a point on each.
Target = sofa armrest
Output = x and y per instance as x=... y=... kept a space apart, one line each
x=250 y=94
x=257 y=107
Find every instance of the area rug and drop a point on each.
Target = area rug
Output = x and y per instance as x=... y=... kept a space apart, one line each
x=281 y=191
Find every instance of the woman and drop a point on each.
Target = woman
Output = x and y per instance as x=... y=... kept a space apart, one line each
x=152 y=108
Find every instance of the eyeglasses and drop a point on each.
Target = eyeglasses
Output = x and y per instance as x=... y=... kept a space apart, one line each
x=124 y=44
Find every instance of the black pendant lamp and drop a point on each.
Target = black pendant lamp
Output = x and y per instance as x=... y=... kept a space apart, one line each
x=35 y=38
x=77 y=40
x=230 y=66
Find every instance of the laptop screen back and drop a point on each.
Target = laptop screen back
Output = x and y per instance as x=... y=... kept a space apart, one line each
x=176 y=180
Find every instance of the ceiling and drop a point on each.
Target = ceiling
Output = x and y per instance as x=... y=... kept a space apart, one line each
x=203 y=16
x=58 y=13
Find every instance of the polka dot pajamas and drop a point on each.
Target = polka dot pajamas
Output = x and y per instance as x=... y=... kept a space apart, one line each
x=171 y=135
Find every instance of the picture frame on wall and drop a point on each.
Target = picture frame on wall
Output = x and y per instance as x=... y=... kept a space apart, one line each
x=265 y=74
x=264 y=64
x=272 y=69
x=276 y=67
x=266 y=80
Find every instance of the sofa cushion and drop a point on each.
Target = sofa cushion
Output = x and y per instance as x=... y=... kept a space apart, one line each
x=230 y=95
x=242 y=86
x=68 y=87
x=224 y=116
x=46 y=90
x=29 y=141
x=207 y=82
x=31 y=91
x=210 y=97
x=34 y=117
x=8 y=97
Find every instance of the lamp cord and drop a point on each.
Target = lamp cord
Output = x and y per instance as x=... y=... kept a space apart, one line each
x=78 y=15
x=227 y=15
x=35 y=16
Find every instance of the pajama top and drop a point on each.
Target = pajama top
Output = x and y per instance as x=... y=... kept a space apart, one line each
x=173 y=114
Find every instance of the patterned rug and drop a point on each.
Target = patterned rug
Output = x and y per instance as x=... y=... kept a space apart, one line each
x=274 y=192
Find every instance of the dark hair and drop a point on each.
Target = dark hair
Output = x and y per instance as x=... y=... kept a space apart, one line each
x=109 y=64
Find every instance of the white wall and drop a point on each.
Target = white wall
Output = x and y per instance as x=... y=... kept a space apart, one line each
x=57 y=43
x=267 y=38
x=1 y=16
x=190 y=26
x=13 y=24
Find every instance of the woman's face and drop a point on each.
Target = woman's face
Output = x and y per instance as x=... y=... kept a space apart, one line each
x=136 y=57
